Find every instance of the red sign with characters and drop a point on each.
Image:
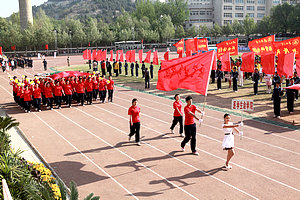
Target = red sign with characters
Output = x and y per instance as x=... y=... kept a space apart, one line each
x=202 y=44
x=287 y=46
x=230 y=46
x=263 y=45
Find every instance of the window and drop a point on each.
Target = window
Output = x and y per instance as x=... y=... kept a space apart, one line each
x=227 y=7
x=227 y=1
x=261 y=8
x=229 y=15
x=261 y=1
x=239 y=15
x=251 y=15
x=239 y=1
x=227 y=22
x=276 y=1
x=260 y=15
x=250 y=1
x=239 y=8
x=250 y=7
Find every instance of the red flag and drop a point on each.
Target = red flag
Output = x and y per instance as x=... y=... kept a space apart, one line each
x=166 y=55
x=99 y=54
x=190 y=73
x=148 y=57
x=117 y=55
x=86 y=54
x=127 y=56
x=1 y=51
x=111 y=55
x=225 y=60
x=285 y=65
x=121 y=56
x=180 y=54
x=214 y=66
x=262 y=46
x=228 y=46
x=298 y=65
x=180 y=46
x=190 y=45
x=248 y=62
x=103 y=55
x=13 y=48
x=89 y=44
x=188 y=53
x=46 y=47
x=94 y=55
x=268 y=63
x=155 y=58
x=141 y=55
x=202 y=44
x=287 y=46
x=132 y=56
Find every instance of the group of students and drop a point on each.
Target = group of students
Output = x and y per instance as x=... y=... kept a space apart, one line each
x=189 y=126
x=29 y=93
x=11 y=63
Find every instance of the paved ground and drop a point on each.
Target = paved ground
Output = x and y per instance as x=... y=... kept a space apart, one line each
x=89 y=145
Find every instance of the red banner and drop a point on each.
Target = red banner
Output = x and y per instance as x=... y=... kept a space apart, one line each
x=127 y=56
x=111 y=55
x=190 y=73
x=121 y=56
x=132 y=56
x=46 y=46
x=155 y=58
x=103 y=55
x=148 y=57
x=214 y=66
x=99 y=54
x=263 y=45
x=13 y=48
x=166 y=55
x=268 y=63
x=298 y=65
x=191 y=46
x=285 y=65
x=230 y=46
x=248 y=62
x=86 y=54
x=94 y=55
x=1 y=51
x=180 y=46
x=202 y=44
x=287 y=46
x=226 y=64
x=141 y=56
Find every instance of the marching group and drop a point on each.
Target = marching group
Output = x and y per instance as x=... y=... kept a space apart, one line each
x=12 y=63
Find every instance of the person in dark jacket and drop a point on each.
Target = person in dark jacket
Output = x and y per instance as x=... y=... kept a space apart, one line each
x=277 y=93
x=147 y=78
x=132 y=69
x=126 y=68
x=290 y=95
x=137 y=69
x=219 y=78
x=235 y=76
x=255 y=80
x=151 y=70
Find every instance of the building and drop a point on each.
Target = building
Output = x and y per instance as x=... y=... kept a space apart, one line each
x=208 y=12
x=25 y=13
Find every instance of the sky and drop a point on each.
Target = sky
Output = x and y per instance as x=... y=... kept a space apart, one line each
x=8 y=7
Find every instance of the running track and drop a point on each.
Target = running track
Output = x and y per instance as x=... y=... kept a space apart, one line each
x=90 y=146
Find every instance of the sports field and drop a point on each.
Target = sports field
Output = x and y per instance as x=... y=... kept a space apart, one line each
x=90 y=146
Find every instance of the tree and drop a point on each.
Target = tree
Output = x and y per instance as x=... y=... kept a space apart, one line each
x=217 y=30
x=179 y=33
x=191 y=32
x=178 y=11
x=227 y=29
x=237 y=27
x=167 y=30
x=91 y=30
x=264 y=27
x=248 y=26
x=77 y=33
x=280 y=17
x=204 y=31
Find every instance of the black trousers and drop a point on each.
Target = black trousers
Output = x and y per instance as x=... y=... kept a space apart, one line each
x=147 y=83
x=132 y=74
x=15 y=96
x=110 y=95
x=190 y=134
x=27 y=105
x=151 y=74
x=219 y=83
x=89 y=97
x=120 y=70
x=296 y=94
x=255 y=86
x=143 y=73
x=37 y=103
x=235 y=87
x=116 y=71
x=69 y=99
x=136 y=73
x=276 y=104
x=95 y=93
x=135 y=130
x=50 y=102
x=177 y=119
x=109 y=71
x=103 y=71
x=102 y=95
x=80 y=98
x=44 y=99
x=126 y=71
x=58 y=100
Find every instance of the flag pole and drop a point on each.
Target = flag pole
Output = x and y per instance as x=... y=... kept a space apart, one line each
x=241 y=136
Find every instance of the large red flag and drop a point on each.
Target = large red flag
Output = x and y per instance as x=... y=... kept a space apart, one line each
x=263 y=45
x=230 y=46
x=99 y=55
x=214 y=66
x=202 y=44
x=180 y=46
x=188 y=53
x=141 y=55
x=180 y=54
x=190 y=45
x=94 y=55
x=86 y=54
x=155 y=58
x=117 y=55
x=287 y=46
x=190 y=73
x=226 y=64
x=285 y=64
x=132 y=56
x=148 y=57
x=103 y=55
x=1 y=51
x=298 y=65
x=111 y=55
x=248 y=62
x=121 y=56
x=268 y=63
x=127 y=56
x=166 y=55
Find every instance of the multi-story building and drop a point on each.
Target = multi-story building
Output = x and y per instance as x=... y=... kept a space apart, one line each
x=207 y=12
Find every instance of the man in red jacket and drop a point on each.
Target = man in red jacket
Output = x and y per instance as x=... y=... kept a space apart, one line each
x=80 y=92
x=89 y=90
x=37 y=97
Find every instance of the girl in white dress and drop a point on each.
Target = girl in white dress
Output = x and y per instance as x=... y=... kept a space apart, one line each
x=228 y=142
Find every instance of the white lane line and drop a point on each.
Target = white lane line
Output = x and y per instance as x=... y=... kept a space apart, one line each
x=102 y=170
x=125 y=154
x=165 y=153
x=250 y=170
x=274 y=146
x=273 y=134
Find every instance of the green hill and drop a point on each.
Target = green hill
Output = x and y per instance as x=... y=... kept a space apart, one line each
x=107 y=10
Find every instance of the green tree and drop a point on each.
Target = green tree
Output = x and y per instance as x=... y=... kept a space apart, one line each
x=179 y=33
x=204 y=31
x=78 y=35
x=264 y=27
x=167 y=30
x=191 y=32
x=237 y=27
x=227 y=30
x=248 y=26
x=91 y=30
x=280 y=17
x=217 y=30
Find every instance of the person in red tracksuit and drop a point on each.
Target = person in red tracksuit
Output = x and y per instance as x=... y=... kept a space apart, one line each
x=102 y=89
x=178 y=115
x=89 y=90
x=58 y=92
x=110 y=88
x=49 y=95
x=37 y=97
x=134 y=120
x=27 y=98
x=95 y=88
x=68 y=90
x=80 y=92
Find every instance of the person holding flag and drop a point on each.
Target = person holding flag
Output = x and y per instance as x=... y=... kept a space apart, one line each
x=190 y=125
x=178 y=115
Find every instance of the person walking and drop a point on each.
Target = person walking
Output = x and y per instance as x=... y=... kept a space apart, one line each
x=102 y=89
x=27 y=98
x=177 y=115
x=68 y=61
x=80 y=92
x=290 y=96
x=45 y=64
x=58 y=92
x=37 y=97
x=277 y=93
x=68 y=90
x=110 y=88
x=147 y=78
x=89 y=90
x=49 y=95
x=190 y=125
x=255 y=80
x=235 y=76
x=134 y=121
x=228 y=141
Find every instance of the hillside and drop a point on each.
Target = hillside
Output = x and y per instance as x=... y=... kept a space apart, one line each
x=80 y=9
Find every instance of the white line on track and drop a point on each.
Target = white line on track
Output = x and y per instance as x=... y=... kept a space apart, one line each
x=165 y=153
x=274 y=134
x=245 y=168
x=125 y=154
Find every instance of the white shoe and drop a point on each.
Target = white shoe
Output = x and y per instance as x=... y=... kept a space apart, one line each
x=138 y=143
x=51 y=109
x=228 y=167
x=40 y=111
x=182 y=149
x=83 y=105
x=181 y=135
x=78 y=104
x=28 y=111
x=59 y=108
x=196 y=153
x=129 y=138
x=172 y=131
x=278 y=117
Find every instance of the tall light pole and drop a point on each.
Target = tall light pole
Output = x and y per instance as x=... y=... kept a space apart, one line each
x=70 y=36
x=55 y=33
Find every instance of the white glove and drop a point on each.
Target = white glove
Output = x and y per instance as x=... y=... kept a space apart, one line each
x=241 y=133
x=241 y=124
x=203 y=113
x=200 y=121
